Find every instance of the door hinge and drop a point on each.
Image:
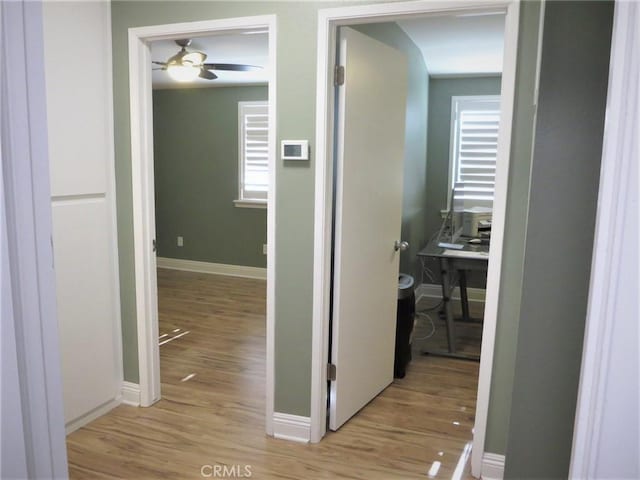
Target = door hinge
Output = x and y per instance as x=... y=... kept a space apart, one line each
x=338 y=75
x=155 y=247
x=331 y=372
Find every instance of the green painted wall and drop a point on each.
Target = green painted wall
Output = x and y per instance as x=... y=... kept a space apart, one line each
x=296 y=77
x=565 y=174
x=514 y=235
x=414 y=204
x=195 y=135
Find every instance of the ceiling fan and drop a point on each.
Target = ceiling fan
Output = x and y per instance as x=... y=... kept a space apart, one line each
x=185 y=66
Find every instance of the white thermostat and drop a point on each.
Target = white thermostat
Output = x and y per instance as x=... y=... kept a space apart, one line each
x=294 y=150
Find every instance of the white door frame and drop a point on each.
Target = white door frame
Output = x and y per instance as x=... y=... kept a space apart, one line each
x=31 y=364
x=328 y=21
x=609 y=317
x=143 y=192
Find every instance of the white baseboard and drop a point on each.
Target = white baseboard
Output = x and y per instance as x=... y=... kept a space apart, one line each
x=213 y=268
x=131 y=394
x=492 y=467
x=291 y=427
x=432 y=290
x=80 y=422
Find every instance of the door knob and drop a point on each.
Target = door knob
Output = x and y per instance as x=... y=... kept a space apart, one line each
x=398 y=245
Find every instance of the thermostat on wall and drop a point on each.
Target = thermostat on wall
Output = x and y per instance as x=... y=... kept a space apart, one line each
x=294 y=150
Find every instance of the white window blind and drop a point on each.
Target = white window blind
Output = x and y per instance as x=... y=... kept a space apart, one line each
x=475 y=123
x=253 y=130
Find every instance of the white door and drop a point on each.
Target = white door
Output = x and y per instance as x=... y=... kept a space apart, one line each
x=80 y=123
x=370 y=154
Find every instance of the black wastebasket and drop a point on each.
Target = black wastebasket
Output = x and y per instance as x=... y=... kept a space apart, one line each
x=404 y=324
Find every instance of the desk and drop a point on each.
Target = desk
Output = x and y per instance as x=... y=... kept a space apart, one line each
x=471 y=257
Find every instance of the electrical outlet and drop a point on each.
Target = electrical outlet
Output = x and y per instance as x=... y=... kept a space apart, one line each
x=264 y=248
x=180 y=241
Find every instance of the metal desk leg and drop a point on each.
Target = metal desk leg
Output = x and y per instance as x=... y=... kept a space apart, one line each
x=446 y=297
x=464 y=300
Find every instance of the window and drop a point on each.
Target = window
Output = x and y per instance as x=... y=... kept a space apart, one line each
x=474 y=146
x=253 y=132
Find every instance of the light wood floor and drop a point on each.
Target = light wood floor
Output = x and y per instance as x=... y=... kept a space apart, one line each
x=430 y=332
x=212 y=407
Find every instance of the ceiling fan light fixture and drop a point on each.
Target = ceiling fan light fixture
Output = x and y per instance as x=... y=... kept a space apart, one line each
x=186 y=66
x=194 y=58
x=183 y=73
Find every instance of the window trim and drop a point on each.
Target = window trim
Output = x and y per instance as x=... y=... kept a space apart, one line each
x=241 y=201
x=246 y=203
x=455 y=99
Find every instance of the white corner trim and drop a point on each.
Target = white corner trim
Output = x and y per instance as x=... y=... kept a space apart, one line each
x=494 y=269
x=432 y=290
x=492 y=466
x=92 y=415
x=31 y=360
x=612 y=309
x=291 y=427
x=130 y=394
x=212 y=268
x=110 y=198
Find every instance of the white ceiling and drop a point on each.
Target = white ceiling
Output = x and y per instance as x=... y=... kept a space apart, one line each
x=459 y=45
x=450 y=45
x=245 y=48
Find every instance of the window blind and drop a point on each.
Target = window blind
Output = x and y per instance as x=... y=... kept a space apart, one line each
x=476 y=146
x=254 y=150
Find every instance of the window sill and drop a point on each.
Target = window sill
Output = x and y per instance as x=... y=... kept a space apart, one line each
x=262 y=204
x=474 y=203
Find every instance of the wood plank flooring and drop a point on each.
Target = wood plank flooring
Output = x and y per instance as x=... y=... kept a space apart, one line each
x=430 y=332
x=212 y=408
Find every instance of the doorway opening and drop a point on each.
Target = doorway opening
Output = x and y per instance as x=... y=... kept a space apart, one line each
x=326 y=286
x=181 y=195
x=210 y=136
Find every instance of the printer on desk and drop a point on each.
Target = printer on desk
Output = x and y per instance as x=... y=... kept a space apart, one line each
x=476 y=221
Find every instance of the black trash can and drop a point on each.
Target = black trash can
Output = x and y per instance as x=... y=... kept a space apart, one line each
x=404 y=324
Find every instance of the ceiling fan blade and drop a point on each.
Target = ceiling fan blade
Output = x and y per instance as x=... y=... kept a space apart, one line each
x=207 y=75
x=234 y=67
x=177 y=58
x=162 y=64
